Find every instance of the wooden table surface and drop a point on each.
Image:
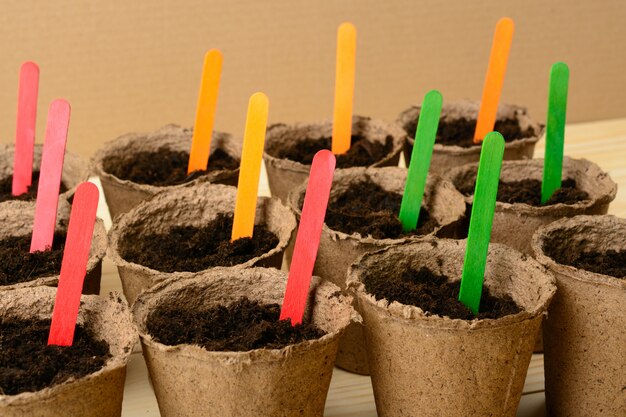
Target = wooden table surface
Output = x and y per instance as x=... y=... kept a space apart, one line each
x=351 y=395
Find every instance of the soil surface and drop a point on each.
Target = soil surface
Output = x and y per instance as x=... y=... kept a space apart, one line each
x=17 y=264
x=435 y=294
x=241 y=326
x=362 y=152
x=460 y=132
x=612 y=262
x=366 y=208
x=6 y=185
x=27 y=363
x=192 y=249
x=528 y=191
x=163 y=167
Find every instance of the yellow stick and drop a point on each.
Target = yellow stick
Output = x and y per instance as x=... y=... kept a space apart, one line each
x=250 y=170
x=344 y=88
x=205 y=112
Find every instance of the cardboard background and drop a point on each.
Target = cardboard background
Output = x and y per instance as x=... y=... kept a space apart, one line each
x=135 y=65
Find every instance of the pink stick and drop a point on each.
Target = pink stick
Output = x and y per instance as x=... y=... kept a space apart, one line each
x=50 y=176
x=308 y=238
x=74 y=265
x=25 y=131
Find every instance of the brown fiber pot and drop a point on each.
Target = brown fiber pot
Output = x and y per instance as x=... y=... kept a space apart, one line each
x=514 y=224
x=190 y=381
x=96 y=395
x=122 y=195
x=192 y=205
x=429 y=365
x=338 y=250
x=446 y=157
x=16 y=219
x=284 y=175
x=584 y=339
x=75 y=169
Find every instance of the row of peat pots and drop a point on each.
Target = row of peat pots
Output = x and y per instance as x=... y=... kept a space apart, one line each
x=382 y=302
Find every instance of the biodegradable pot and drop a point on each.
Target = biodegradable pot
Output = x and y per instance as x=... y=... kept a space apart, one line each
x=16 y=219
x=75 y=169
x=190 y=381
x=192 y=205
x=337 y=250
x=446 y=156
x=284 y=175
x=96 y=395
x=514 y=224
x=428 y=365
x=584 y=339
x=122 y=195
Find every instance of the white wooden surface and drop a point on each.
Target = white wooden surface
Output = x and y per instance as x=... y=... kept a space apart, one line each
x=351 y=395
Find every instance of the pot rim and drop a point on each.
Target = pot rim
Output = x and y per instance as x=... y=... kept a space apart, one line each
x=127 y=140
x=578 y=274
x=419 y=318
x=148 y=207
x=148 y=299
x=299 y=191
x=398 y=135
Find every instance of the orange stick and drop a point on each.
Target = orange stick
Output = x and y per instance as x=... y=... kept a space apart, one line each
x=495 y=78
x=344 y=88
x=205 y=112
x=250 y=169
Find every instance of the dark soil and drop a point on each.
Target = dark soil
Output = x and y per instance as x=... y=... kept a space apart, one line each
x=362 y=151
x=192 y=249
x=435 y=294
x=27 y=363
x=460 y=132
x=17 y=264
x=528 y=191
x=6 y=185
x=368 y=209
x=163 y=167
x=241 y=326
x=612 y=263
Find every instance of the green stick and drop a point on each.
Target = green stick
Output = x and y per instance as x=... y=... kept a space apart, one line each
x=555 y=130
x=481 y=220
x=425 y=135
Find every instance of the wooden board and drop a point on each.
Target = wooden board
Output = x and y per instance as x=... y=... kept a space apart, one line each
x=351 y=395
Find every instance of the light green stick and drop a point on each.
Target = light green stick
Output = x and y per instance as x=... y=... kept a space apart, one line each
x=481 y=220
x=420 y=160
x=555 y=130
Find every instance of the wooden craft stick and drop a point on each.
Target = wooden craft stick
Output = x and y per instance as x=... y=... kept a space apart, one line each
x=251 y=158
x=494 y=80
x=344 y=88
x=205 y=112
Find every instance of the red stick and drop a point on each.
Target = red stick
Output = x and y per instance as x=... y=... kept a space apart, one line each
x=25 y=131
x=74 y=265
x=308 y=238
x=50 y=176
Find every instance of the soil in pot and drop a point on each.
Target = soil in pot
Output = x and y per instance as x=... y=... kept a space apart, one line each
x=27 y=363
x=368 y=209
x=611 y=262
x=528 y=191
x=435 y=294
x=17 y=264
x=241 y=326
x=362 y=152
x=460 y=132
x=193 y=249
x=6 y=186
x=163 y=167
